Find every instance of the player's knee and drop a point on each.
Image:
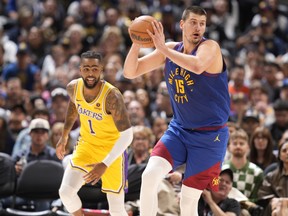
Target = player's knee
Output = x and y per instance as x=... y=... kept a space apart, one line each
x=66 y=193
x=150 y=175
x=70 y=198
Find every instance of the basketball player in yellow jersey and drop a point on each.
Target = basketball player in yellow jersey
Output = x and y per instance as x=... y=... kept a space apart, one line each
x=105 y=133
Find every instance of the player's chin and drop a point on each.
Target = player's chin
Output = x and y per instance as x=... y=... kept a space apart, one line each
x=90 y=85
x=196 y=40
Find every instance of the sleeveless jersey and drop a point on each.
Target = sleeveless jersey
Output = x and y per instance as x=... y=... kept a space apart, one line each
x=198 y=101
x=97 y=127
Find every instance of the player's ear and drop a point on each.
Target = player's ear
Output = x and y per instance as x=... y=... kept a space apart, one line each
x=181 y=24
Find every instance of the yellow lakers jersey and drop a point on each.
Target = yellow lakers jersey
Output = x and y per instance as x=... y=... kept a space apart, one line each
x=97 y=127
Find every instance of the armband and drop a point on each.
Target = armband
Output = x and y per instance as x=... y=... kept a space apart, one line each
x=120 y=146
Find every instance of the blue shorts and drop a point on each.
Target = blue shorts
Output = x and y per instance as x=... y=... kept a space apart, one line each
x=202 y=151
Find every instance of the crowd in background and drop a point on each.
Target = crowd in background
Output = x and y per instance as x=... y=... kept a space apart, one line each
x=40 y=46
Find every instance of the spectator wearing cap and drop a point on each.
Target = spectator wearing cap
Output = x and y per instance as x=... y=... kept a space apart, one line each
x=218 y=202
x=281 y=119
x=22 y=68
x=38 y=150
x=250 y=121
x=59 y=103
x=23 y=140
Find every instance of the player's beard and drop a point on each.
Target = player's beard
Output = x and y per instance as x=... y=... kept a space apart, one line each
x=90 y=86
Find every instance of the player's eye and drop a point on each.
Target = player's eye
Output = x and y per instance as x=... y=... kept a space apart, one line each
x=94 y=69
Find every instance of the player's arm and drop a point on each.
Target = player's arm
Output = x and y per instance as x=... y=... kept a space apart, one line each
x=116 y=107
x=71 y=116
x=135 y=66
x=208 y=54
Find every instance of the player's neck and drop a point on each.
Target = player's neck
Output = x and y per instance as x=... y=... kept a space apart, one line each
x=91 y=93
x=188 y=47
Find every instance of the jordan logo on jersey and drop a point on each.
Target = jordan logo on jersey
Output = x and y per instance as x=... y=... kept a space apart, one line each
x=217 y=138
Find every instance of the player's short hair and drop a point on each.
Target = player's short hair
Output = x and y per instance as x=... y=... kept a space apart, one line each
x=92 y=55
x=193 y=9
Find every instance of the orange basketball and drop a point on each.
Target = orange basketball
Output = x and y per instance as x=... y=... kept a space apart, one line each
x=138 y=33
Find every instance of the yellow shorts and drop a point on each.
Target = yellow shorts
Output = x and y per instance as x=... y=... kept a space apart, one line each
x=115 y=177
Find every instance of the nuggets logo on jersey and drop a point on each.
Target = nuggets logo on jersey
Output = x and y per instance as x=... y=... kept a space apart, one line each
x=181 y=78
x=215 y=181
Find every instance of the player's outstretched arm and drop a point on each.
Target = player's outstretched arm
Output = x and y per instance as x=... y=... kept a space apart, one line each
x=71 y=116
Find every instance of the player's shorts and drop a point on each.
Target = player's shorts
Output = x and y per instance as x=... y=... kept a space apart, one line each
x=115 y=177
x=202 y=151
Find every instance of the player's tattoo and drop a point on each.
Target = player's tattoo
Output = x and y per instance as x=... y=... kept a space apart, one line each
x=71 y=116
x=72 y=113
x=115 y=105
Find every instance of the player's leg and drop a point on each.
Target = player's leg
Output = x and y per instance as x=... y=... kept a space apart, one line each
x=189 y=198
x=168 y=152
x=71 y=183
x=205 y=153
x=153 y=174
x=116 y=204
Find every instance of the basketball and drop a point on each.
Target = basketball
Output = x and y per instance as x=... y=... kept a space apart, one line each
x=138 y=33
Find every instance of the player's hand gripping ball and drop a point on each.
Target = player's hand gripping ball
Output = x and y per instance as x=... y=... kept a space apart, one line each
x=138 y=33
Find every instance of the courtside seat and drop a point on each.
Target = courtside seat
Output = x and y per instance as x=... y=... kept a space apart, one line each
x=7 y=175
x=40 y=179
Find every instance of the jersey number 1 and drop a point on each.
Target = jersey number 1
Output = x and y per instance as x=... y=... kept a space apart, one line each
x=90 y=126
